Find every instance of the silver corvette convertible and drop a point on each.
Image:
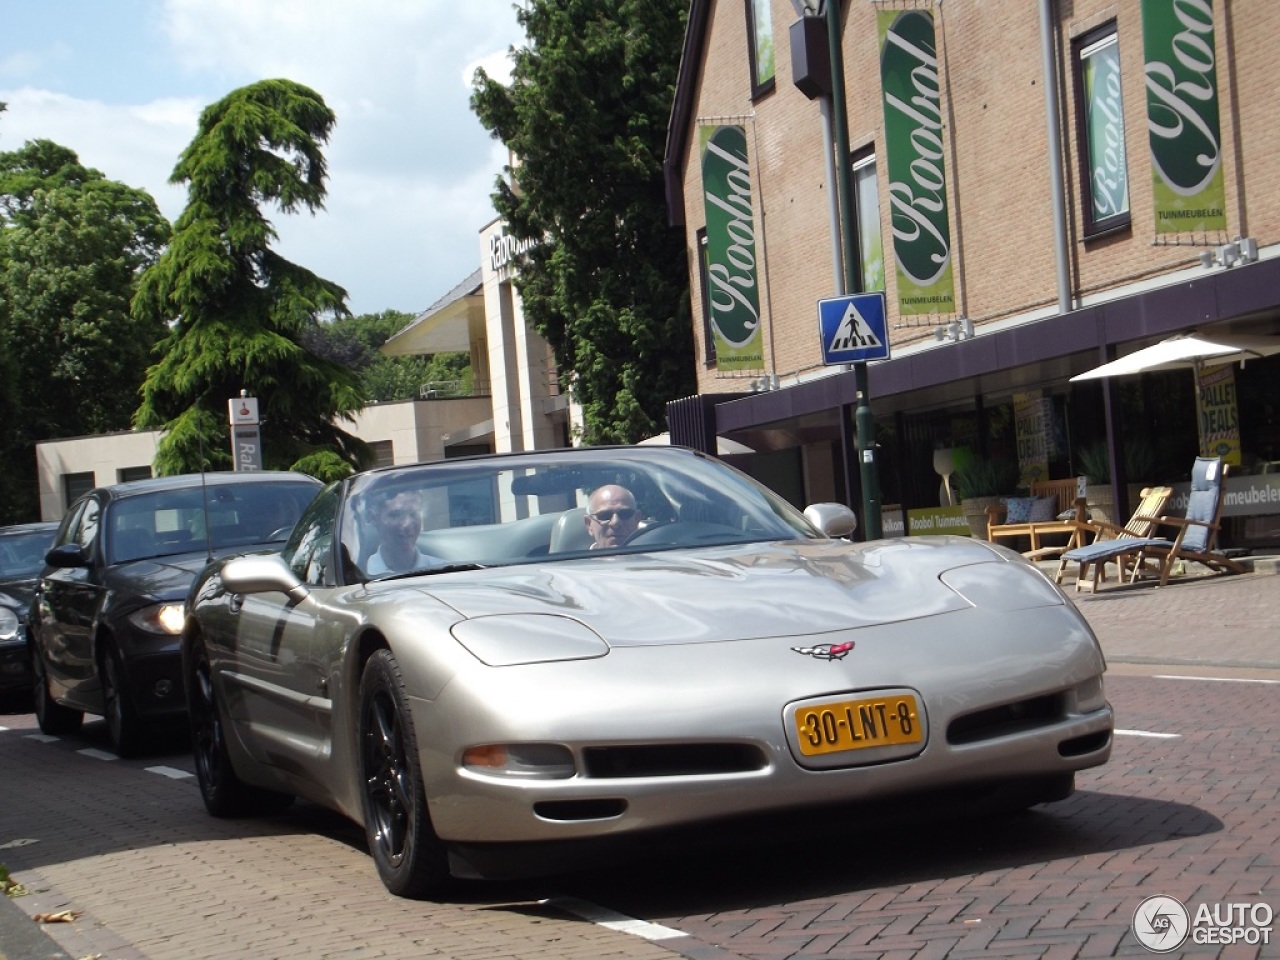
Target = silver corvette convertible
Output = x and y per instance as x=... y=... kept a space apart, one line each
x=527 y=650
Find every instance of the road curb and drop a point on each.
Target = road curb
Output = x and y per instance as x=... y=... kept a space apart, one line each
x=22 y=939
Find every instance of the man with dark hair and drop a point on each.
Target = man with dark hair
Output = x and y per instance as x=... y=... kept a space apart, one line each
x=398 y=519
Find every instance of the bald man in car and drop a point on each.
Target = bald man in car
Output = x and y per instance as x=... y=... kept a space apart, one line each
x=611 y=516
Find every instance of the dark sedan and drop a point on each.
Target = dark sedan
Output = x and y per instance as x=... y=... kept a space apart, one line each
x=22 y=550
x=109 y=603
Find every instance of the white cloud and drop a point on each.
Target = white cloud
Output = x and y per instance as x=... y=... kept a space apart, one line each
x=411 y=168
x=138 y=145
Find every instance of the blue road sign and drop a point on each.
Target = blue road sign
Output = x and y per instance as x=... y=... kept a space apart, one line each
x=853 y=328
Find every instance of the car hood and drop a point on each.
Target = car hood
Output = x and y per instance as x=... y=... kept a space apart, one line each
x=162 y=578
x=742 y=591
x=21 y=591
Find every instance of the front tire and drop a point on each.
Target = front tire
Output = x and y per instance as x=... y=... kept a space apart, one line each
x=410 y=858
x=225 y=794
x=54 y=719
x=125 y=729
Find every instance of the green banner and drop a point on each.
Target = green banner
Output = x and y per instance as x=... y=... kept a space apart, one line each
x=731 y=250
x=916 y=171
x=1104 y=131
x=1182 y=115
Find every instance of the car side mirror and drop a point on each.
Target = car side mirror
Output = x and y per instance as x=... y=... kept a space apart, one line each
x=262 y=573
x=833 y=519
x=67 y=555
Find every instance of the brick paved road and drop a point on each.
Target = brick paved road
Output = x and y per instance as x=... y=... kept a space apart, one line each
x=1192 y=816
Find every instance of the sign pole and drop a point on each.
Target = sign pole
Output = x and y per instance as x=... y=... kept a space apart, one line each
x=864 y=421
x=246 y=443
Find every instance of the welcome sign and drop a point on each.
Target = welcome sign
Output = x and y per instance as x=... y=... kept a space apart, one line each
x=1182 y=115
x=916 y=171
x=734 y=296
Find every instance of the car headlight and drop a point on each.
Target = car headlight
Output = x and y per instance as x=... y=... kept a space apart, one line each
x=1003 y=586
x=163 y=618
x=8 y=624
x=505 y=640
x=1090 y=695
x=528 y=761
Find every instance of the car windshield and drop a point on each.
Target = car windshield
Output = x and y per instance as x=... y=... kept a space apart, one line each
x=169 y=522
x=22 y=554
x=568 y=504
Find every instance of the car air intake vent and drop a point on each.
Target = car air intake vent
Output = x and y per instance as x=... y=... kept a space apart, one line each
x=672 y=760
x=570 y=810
x=1005 y=720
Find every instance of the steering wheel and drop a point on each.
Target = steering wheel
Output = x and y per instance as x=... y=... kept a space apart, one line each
x=645 y=531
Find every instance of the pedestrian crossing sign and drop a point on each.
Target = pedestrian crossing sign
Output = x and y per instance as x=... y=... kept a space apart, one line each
x=853 y=328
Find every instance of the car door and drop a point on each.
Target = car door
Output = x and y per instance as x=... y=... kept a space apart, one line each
x=285 y=653
x=67 y=604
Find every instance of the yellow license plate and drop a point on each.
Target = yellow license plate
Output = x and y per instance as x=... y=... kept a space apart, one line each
x=858 y=724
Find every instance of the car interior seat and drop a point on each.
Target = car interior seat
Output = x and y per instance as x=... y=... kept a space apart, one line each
x=570 y=532
x=131 y=543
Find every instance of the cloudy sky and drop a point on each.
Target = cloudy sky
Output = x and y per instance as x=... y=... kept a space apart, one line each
x=411 y=170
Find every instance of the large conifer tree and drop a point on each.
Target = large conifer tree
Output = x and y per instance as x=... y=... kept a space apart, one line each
x=238 y=311
x=605 y=281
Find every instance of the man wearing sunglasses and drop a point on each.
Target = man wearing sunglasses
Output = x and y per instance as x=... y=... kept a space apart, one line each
x=611 y=516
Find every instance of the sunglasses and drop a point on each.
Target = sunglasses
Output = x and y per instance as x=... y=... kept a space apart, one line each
x=604 y=516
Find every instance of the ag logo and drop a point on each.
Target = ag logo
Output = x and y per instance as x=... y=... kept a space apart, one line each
x=1161 y=924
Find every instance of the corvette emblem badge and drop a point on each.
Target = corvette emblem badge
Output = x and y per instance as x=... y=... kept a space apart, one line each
x=826 y=651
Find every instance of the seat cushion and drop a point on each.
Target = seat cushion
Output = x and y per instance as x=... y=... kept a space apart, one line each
x=1106 y=549
x=1018 y=509
x=1043 y=509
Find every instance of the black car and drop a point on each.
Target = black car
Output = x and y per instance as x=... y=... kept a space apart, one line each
x=22 y=550
x=108 y=607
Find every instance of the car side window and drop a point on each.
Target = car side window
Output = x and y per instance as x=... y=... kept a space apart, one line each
x=81 y=526
x=70 y=525
x=309 y=552
x=87 y=529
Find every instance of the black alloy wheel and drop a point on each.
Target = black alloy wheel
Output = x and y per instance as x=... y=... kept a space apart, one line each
x=126 y=731
x=54 y=719
x=224 y=793
x=410 y=859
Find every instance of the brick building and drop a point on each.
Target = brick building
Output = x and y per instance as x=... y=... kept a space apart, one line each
x=1037 y=188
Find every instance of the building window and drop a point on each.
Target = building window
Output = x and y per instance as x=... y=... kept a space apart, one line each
x=1100 y=120
x=760 y=38
x=75 y=485
x=383 y=455
x=704 y=287
x=125 y=474
x=866 y=202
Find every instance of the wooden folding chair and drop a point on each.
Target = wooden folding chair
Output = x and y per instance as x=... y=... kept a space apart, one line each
x=1197 y=531
x=1109 y=543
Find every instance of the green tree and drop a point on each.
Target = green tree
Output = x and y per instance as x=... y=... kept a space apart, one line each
x=354 y=341
x=238 y=311
x=72 y=246
x=605 y=280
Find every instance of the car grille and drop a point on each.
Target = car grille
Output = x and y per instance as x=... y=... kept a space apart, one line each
x=1008 y=719
x=671 y=760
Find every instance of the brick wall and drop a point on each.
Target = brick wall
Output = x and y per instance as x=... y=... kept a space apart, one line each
x=997 y=164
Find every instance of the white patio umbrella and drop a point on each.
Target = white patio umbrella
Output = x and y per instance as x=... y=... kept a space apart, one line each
x=1185 y=352
x=724 y=445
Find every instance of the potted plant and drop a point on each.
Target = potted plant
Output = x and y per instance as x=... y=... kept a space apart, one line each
x=982 y=482
x=1140 y=466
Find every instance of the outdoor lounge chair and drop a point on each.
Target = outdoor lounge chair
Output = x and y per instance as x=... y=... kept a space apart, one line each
x=1112 y=543
x=1197 y=532
x=1196 y=539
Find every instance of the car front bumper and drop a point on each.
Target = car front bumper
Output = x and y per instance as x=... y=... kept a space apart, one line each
x=732 y=702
